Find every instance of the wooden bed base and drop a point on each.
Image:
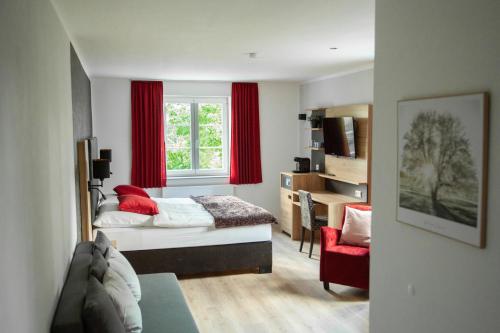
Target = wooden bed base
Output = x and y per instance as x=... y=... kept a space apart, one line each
x=204 y=259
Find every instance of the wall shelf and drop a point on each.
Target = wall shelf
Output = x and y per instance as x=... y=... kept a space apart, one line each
x=313 y=148
x=317 y=129
x=316 y=110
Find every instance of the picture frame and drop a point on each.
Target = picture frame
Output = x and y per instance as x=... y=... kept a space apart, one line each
x=443 y=165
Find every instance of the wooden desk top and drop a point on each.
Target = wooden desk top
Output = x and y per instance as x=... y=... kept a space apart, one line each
x=327 y=197
x=298 y=174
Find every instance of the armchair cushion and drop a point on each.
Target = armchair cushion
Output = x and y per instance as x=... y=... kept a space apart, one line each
x=349 y=250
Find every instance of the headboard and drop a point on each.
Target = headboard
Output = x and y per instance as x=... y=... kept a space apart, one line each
x=87 y=150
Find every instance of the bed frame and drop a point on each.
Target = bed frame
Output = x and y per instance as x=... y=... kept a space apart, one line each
x=256 y=256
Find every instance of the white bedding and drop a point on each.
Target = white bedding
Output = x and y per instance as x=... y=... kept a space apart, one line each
x=147 y=238
x=181 y=223
x=174 y=213
x=181 y=213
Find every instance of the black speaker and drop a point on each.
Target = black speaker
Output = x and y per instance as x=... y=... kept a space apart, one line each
x=101 y=169
x=105 y=154
x=302 y=116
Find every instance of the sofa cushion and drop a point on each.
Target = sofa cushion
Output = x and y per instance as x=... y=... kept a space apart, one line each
x=124 y=302
x=67 y=317
x=99 y=313
x=121 y=265
x=99 y=266
x=102 y=243
x=163 y=305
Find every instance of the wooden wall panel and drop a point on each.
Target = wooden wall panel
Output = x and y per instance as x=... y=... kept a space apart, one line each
x=83 y=173
x=353 y=169
x=343 y=168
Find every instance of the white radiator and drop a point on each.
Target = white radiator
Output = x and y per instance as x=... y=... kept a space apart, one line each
x=186 y=191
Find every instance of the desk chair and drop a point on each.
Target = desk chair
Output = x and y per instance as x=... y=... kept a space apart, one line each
x=309 y=219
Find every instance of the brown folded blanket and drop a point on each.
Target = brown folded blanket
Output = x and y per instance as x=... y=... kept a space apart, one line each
x=229 y=211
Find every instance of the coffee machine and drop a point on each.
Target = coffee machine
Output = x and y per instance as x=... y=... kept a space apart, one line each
x=302 y=165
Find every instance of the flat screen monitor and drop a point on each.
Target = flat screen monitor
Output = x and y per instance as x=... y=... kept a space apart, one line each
x=339 y=135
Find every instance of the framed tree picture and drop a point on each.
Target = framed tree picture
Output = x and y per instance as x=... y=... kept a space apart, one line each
x=442 y=164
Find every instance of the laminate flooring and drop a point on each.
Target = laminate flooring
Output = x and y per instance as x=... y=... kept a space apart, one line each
x=290 y=299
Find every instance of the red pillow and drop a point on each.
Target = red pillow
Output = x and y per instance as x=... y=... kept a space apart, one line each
x=130 y=189
x=137 y=204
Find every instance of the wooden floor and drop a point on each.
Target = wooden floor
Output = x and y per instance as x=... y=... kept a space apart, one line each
x=291 y=299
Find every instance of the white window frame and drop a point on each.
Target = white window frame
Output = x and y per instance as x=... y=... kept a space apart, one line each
x=194 y=102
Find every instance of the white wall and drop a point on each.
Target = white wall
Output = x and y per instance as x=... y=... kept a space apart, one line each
x=112 y=126
x=37 y=224
x=278 y=111
x=197 y=88
x=278 y=137
x=426 y=48
x=353 y=88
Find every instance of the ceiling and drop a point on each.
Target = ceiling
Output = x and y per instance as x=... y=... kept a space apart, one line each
x=211 y=39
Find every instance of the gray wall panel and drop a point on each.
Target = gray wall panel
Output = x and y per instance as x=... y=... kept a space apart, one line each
x=82 y=118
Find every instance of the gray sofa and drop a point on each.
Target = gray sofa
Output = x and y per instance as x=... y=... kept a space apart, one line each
x=163 y=306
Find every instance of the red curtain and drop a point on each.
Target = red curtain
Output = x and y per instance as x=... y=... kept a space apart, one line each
x=245 y=135
x=148 y=143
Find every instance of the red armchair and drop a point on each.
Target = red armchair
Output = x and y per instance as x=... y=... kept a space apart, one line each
x=341 y=263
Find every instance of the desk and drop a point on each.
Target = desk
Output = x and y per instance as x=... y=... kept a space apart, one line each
x=329 y=203
x=334 y=205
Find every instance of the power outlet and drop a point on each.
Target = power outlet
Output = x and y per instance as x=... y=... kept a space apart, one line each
x=358 y=194
x=411 y=289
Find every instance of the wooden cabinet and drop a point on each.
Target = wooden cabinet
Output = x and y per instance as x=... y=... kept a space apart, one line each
x=286 y=213
x=289 y=219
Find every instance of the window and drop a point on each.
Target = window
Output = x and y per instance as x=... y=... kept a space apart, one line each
x=196 y=136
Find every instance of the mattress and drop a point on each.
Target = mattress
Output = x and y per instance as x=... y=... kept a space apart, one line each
x=148 y=238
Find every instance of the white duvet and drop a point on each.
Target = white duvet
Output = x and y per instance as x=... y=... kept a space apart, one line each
x=174 y=213
x=181 y=213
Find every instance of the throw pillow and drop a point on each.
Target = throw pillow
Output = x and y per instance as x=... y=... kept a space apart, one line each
x=125 y=303
x=130 y=189
x=99 y=266
x=102 y=243
x=99 y=313
x=120 y=265
x=137 y=204
x=356 y=229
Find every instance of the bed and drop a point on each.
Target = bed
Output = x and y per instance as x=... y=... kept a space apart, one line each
x=184 y=251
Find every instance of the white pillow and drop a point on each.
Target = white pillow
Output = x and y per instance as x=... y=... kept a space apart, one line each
x=125 y=303
x=357 y=227
x=120 y=219
x=120 y=265
x=109 y=204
